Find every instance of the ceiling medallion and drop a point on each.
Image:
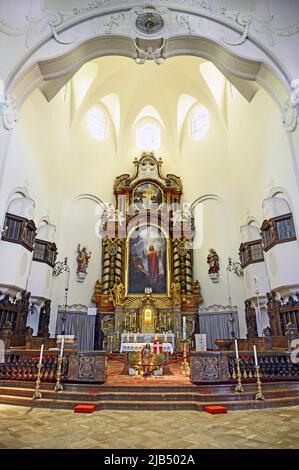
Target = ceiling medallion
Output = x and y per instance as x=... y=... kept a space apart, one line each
x=149 y=23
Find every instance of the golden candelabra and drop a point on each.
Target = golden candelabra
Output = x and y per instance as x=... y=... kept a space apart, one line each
x=185 y=363
x=58 y=386
x=239 y=387
x=37 y=394
x=259 y=395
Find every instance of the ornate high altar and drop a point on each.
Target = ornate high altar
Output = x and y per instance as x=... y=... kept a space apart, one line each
x=147 y=265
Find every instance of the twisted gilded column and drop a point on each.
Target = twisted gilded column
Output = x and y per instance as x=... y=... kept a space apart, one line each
x=182 y=265
x=106 y=267
x=176 y=261
x=112 y=262
x=188 y=272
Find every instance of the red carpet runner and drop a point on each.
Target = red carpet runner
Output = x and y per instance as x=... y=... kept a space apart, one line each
x=115 y=376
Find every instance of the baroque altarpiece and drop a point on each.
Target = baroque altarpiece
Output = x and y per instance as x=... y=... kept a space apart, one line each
x=147 y=281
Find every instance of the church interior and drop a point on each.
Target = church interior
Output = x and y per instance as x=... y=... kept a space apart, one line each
x=149 y=253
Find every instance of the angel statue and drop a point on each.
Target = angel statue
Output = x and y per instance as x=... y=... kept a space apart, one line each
x=111 y=214
x=175 y=291
x=182 y=215
x=82 y=259
x=118 y=293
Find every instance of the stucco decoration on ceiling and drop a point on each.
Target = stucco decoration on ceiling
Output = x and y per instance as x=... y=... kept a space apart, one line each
x=113 y=21
x=48 y=15
x=9 y=113
x=290 y=108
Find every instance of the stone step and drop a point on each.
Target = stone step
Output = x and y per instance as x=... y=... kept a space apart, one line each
x=149 y=405
x=119 y=395
x=152 y=388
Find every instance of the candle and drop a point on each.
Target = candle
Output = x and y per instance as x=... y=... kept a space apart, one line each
x=236 y=348
x=184 y=327
x=61 y=349
x=41 y=355
x=255 y=355
x=67 y=280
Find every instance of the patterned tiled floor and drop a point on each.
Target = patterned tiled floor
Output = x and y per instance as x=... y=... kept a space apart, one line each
x=22 y=427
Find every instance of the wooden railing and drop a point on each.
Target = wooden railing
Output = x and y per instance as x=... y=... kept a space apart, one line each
x=23 y=366
x=78 y=366
x=221 y=367
x=273 y=366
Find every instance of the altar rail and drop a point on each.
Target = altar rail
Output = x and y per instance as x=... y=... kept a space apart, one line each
x=273 y=366
x=83 y=366
x=221 y=367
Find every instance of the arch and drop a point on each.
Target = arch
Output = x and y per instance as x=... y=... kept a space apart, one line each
x=90 y=197
x=221 y=56
x=252 y=220
x=275 y=191
x=206 y=197
x=112 y=105
x=148 y=111
x=19 y=191
x=215 y=81
x=184 y=104
x=44 y=220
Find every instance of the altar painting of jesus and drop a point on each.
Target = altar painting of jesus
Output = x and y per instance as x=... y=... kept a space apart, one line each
x=147 y=261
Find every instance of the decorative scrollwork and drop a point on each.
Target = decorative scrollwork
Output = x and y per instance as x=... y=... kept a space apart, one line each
x=9 y=113
x=114 y=20
x=289 y=109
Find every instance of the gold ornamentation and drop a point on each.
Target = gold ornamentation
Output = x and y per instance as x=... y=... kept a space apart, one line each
x=175 y=292
x=97 y=292
x=182 y=250
x=112 y=248
x=37 y=394
x=58 y=386
x=239 y=387
x=118 y=293
x=259 y=394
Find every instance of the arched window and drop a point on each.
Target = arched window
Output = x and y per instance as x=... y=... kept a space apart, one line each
x=97 y=123
x=148 y=137
x=200 y=122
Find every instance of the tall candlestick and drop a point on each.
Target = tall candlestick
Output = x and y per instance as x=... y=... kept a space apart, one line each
x=67 y=280
x=236 y=348
x=184 y=327
x=41 y=354
x=62 y=346
x=255 y=355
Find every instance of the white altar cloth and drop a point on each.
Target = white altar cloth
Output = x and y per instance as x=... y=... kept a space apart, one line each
x=147 y=337
x=136 y=347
